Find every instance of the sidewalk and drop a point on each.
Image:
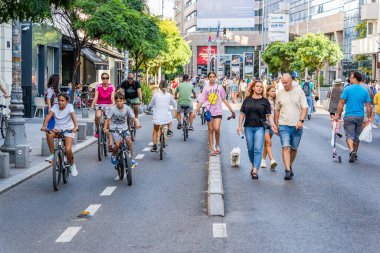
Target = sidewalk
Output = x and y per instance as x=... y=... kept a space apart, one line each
x=37 y=162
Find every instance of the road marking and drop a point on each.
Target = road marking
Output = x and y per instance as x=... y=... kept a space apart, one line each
x=93 y=208
x=146 y=149
x=108 y=191
x=219 y=230
x=341 y=146
x=150 y=143
x=139 y=156
x=68 y=234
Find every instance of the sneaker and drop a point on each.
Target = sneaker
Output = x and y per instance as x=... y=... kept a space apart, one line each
x=263 y=163
x=291 y=171
x=374 y=126
x=352 y=156
x=73 y=170
x=49 y=158
x=154 y=148
x=113 y=160
x=169 y=133
x=191 y=128
x=134 y=163
x=96 y=135
x=273 y=164
x=288 y=175
x=339 y=135
x=179 y=126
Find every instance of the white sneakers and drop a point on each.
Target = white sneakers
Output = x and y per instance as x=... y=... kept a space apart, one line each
x=263 y=163
x=73 y=170
x=49 y=158
x=374 y=126
x=273 y=164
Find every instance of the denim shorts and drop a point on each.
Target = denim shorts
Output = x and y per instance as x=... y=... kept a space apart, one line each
x=353 y=127
x=290 y=136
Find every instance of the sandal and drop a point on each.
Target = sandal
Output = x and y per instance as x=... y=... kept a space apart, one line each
x=254 y=175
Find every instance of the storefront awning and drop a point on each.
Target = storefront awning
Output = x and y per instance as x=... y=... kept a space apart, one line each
x=100 y=64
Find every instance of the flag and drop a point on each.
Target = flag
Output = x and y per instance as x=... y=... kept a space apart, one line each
x=209 y=36
x=218 y=30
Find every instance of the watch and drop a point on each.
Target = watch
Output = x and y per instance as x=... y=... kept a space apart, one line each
x=302 y=120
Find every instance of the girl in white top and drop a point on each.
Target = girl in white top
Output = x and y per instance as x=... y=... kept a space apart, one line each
x=65 y=119
x=161 y=102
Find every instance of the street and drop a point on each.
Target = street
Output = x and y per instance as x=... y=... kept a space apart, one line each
x=327 y=207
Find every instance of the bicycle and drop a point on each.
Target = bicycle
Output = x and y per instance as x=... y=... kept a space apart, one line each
x=4 y=121
x=162 y=139
x=203 y=115
x=61 y=166
x=131 y=123
x=102 y=137
x=185 y=122
x=123 y=158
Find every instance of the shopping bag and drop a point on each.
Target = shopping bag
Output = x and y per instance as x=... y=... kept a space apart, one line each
x=326 y=104
x=366 y=134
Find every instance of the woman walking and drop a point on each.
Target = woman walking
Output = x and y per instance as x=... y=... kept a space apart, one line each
x=254 y=112
x=212 y=97
x=271 y=96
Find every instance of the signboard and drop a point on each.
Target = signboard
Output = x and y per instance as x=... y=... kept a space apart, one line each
x=248 y=64
x=278 y=27
x=235 y=65
x=231 y=14
x=202 y=54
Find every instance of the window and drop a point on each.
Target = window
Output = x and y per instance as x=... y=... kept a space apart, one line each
x=191 y=29
x=191 y=16
x=320 y=9
x=369 y=28
x=259 y=12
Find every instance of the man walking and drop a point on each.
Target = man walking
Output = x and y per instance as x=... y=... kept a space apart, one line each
x=354 y=97
x=185 y=89
x=290 y=112
x=308 y=89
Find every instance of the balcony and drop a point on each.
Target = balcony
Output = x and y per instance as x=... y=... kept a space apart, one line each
x=370 y=11
x=365 y=46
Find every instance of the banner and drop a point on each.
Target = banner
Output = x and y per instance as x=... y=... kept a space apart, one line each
x=202 y=54
x=248 y=67
x=235 y=65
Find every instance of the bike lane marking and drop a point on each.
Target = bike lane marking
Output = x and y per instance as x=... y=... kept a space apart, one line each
x=139 y=156
x=68 y=234
x=108 y=191
x=146 y=149
x=219 y=230
x=150 y=143
x=92 y=209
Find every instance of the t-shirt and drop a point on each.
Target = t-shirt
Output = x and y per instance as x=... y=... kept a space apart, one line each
x=161 y=103
x=185 y=91
x=243 y=86
x=104 y=95
x=376 y=101
x=255 y=111
x=356 y=96
x=63 y=120
x=130 y=90
x=119 y=117
x=311 y=87
x=212 y=97
x=50 y=94
x=290 y=105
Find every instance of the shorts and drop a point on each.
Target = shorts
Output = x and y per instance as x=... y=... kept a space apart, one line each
x=353 y=127
x=70 y=135
x=189 y=110
x=290 y=136
x=117 y=137
x=217 y=117
x=133 y=101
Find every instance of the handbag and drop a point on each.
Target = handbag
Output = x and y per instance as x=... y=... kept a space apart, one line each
x=366 y=134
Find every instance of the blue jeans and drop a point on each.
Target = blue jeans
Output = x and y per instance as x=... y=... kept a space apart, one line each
x=255 y=142
x=309 y=100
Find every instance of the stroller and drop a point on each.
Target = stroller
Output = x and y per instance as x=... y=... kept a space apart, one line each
x=334 y=136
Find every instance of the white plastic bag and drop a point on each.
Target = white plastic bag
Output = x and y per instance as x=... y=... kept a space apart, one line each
x=366 y=134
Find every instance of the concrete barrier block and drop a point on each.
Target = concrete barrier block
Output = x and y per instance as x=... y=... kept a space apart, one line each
x=215 y=204
x=215 y=188
x=22 y=156
x=85 y=113
x=81 y=131
x=215 y=173
x=90 y=128
x=44 y=147
x=4 y=165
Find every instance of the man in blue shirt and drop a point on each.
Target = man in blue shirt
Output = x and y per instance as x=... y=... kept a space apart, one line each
x=355 y=97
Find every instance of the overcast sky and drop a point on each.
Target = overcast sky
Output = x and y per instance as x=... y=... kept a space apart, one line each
x=155 y=7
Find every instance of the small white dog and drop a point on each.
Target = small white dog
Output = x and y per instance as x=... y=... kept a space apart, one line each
x=235 y=157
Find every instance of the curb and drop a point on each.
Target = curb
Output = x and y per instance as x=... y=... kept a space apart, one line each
x=215 y=192
x=36 y=169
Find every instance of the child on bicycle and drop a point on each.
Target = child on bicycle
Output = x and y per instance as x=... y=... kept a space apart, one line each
x=117 y=119
x=65 y=119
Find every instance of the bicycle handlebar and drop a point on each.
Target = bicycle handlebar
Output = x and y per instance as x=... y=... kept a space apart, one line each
x=61 y=132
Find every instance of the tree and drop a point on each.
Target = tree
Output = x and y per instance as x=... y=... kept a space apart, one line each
x=315 y=51
x=279 y=57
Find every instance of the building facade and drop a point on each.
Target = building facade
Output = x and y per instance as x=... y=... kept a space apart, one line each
x=5 y=59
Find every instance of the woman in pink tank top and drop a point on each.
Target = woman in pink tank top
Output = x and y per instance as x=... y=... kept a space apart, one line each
x=104 y=97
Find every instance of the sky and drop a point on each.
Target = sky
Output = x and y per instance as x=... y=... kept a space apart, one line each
x=155 y=7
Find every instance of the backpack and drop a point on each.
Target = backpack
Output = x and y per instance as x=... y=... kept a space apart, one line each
x=306 y=88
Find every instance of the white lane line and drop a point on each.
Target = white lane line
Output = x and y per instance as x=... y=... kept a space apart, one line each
x=108 y=191
x=341 y=146
x=139 y=156
x=68 y=234
x=92 y=209
x=150 y=143
x=146 y=149
x=116 y=178
x=219 y=230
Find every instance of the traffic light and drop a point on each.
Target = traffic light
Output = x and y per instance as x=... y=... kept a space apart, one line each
x=224 y=31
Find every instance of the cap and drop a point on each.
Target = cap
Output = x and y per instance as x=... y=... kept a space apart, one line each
x=337 y=81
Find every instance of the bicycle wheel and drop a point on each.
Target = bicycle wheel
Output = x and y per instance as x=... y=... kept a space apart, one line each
x=66 y=173
x=57 y=169
x=162 y=145
x=100 y=144
x=4 y=126
x=105 y=144
x=121 y=166
x=184 y=127
x=128 y=167
x=132 y=130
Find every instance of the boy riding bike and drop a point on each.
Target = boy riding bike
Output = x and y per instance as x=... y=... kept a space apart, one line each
x=185 y=89
x=117 y=118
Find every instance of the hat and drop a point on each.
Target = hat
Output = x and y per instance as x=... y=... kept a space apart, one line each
x=337 y=81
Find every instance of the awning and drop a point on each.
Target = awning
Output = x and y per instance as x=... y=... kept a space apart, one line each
x=100 y=64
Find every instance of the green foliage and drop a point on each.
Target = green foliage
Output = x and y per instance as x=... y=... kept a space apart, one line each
x=279 y=56
x=321 y=80
x=360 y=57
x=137 y=5
x=361 y=28
x=147 y=94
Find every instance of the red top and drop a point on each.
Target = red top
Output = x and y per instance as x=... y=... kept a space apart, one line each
x=104 y=95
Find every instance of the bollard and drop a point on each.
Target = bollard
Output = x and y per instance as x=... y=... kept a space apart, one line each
x=81 y=131
x=75 y=139
x=44 y=147
x=85 y=113
x=22 y=156
x=4 y=165
x=90 y=131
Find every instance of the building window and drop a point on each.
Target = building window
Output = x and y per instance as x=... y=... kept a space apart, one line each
x=191 y=29
x=189 y=3
x=320 y=9
x=369 y=28
x=191 y=16
x=259 y=12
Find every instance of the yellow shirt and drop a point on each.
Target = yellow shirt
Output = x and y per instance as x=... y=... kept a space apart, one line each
x=376 y=101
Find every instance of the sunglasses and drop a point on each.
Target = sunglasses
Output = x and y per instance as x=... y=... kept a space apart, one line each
x=129 y=78
x=105 y=78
